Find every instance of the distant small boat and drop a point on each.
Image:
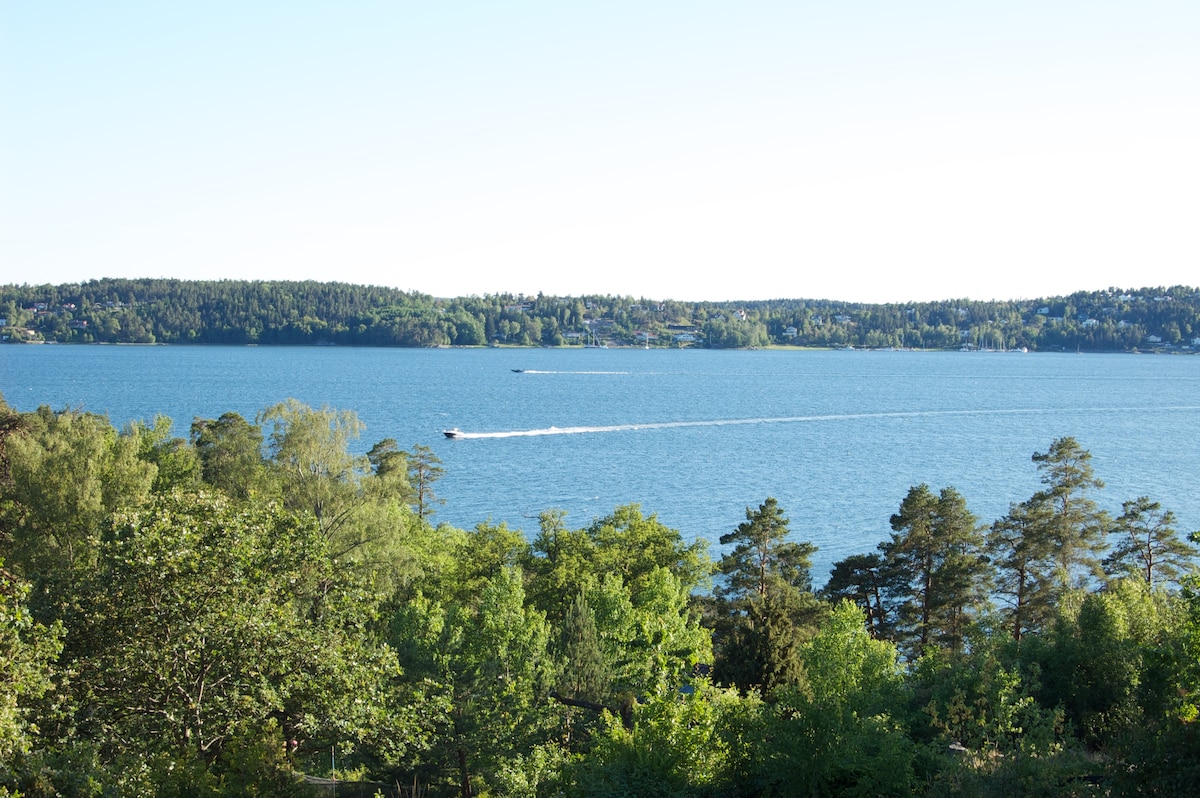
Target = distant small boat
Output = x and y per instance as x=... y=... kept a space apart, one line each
x=453 y=432
x=518 y=371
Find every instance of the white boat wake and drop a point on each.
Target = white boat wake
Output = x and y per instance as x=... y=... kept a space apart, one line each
x=528 y=433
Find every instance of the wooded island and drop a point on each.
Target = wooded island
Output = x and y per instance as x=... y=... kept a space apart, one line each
x=319 y=313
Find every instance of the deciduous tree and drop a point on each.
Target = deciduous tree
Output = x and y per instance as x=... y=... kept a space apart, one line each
x=206 y=621
x=28 y=652
x=68 y=471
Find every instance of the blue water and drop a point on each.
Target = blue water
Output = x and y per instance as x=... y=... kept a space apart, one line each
x=693 y=436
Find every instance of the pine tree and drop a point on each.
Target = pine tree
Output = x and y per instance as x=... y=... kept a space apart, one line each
x=935 y=557
x=765 y=605
x=1021 y=548
x=864 y=579
x=1079 y=526
x=1148 y=544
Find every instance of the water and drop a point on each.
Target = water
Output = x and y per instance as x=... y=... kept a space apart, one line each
x=693 y=436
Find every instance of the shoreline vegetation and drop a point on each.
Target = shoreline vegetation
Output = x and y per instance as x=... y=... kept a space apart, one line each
x=256 y=610
x=230 y=312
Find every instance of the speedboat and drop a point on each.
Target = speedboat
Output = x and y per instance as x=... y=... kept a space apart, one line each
x=453 y=432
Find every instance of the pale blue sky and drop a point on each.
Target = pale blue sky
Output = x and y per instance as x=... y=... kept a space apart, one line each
x=872 y=151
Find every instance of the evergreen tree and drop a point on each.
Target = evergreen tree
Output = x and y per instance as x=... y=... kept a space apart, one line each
x=1021 y=548
x=935 y=555
x=765 y=604
x=230 y=452
x=1078 y=526
x=424 y=469
x=1148 y=544
x=584 y=673
x=865 y=580
x=763 y=560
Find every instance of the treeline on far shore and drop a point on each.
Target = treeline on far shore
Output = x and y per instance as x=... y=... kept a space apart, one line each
x=331 y=313
x=256 y=610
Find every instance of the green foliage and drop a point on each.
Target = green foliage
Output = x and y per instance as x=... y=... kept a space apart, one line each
x=230 y=453
x=637 y=576
x=865 y=580
x=1025 y=568
x=310 y=456
x=205 y=621
x=186 y=635
x=67 y=472
x=1148 y=545
x=1077 y=527
x=177 y=463
x=847 y=669
x=583 y=672
x=1100 y=661
x=308 y=313
x=535 y=773
x=487 y=654
x=362 y=512
x=28 y=651
x=764 y=606
x=635 y=546
x=762 y=560
x=939 y=571
x=675 y=748
x=424 y=469
x=841 y=735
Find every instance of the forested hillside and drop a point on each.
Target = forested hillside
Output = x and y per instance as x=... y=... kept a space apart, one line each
x=313 y=313
x=244 y=610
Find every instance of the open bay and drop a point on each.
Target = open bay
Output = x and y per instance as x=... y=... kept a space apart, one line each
x=693 y=436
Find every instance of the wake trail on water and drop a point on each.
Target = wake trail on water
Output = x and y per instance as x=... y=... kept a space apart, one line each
x=541 y=371
x=729 y=422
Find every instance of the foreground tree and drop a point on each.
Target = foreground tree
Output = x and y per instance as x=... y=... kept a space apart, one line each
x=765 y=606
x=842 y=733
x=937 y=547
x=67 y=472
x=487 y=654
x=1078 y=527
x=205 y=622
x=1148 y=545
x=1023 y=557
x=28 y=651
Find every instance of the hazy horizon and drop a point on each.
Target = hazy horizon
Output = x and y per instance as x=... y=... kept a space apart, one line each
x=637 y=295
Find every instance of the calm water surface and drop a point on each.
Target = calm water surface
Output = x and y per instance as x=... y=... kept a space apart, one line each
x=693 y=436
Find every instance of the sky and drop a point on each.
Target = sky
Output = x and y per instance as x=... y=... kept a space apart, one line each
x=870 y=151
